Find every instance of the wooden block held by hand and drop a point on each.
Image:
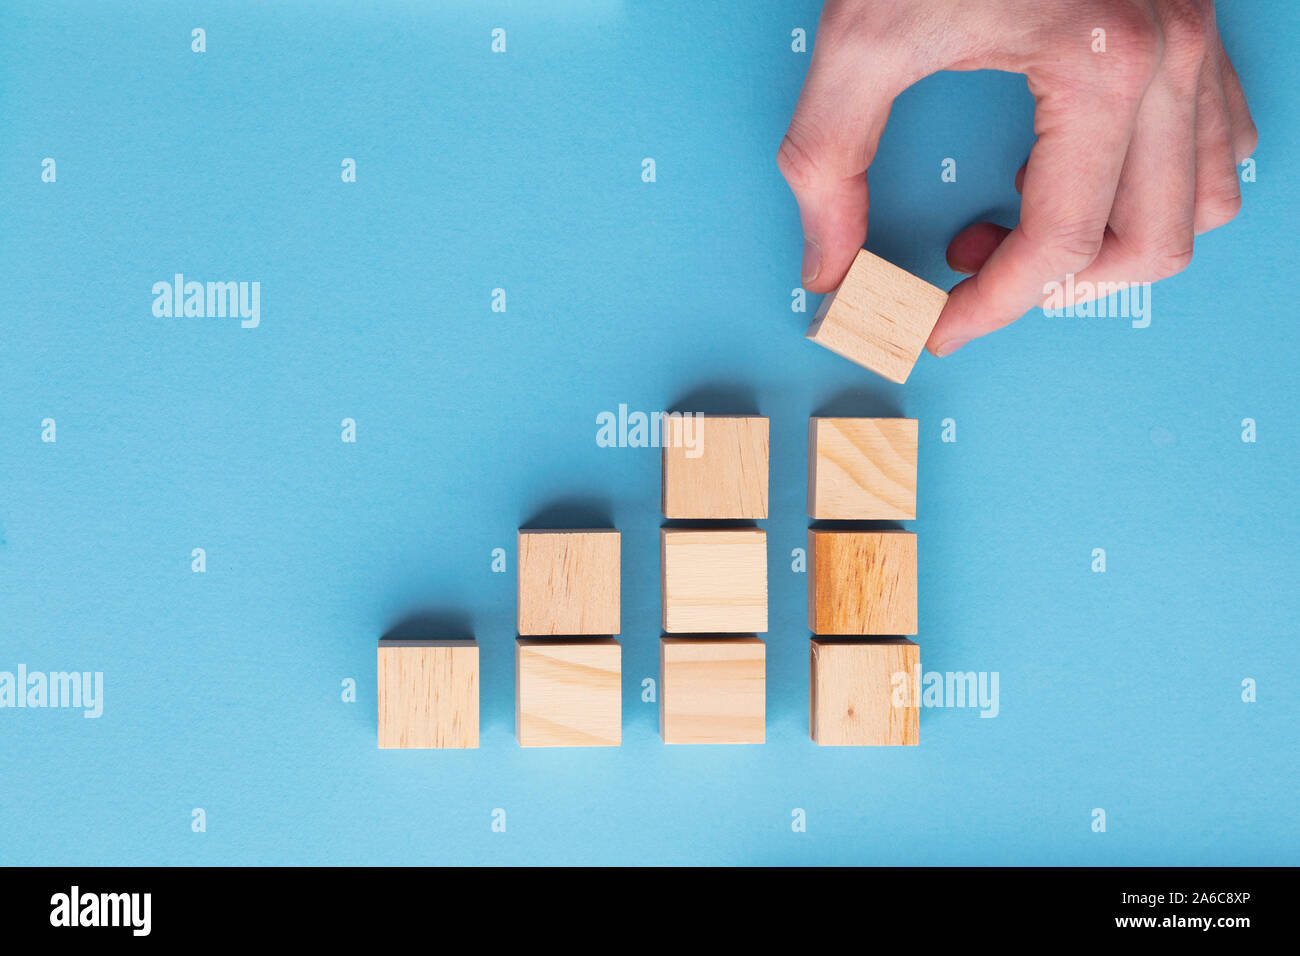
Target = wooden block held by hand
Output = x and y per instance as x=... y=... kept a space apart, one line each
x=712 y=690
x=721 y=473
x=861 y=582
x=568 y=693
x=713 y=581
x=879 y=317
x=428 y=694
x=864 y=693
x=862 y=469
x=568 y=582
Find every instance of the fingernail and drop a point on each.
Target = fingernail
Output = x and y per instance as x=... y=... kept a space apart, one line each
x=812 y=259
x=950 y=346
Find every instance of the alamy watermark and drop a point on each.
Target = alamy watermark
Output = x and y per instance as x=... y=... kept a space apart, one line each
x=128 y=910
x=208 y=300
x=948 y=689
x=1100 y=300
x=624 y=429
x=74 y=690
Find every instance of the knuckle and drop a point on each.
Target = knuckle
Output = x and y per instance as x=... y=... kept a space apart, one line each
x=1249 y=139
x=1137 y=45
x=796 y=160
x=1218 y=210
x=845 y=29
x=1186 y=26
x=809 y=157
x=1166 y=261
x=1072 y=246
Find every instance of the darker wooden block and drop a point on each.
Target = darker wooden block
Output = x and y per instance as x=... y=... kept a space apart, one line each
x=862 y=582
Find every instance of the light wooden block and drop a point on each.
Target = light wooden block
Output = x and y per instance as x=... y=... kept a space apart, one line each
x=727 y=478
x=568 y=582
x=864 y=693
x=862 y=469
x=879 y=317
x=568 y=693
x=712 y=690
x=862 y=582
x=428 y=694
x=713 y=581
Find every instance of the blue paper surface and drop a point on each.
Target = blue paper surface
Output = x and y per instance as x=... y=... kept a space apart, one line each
x=222 y=691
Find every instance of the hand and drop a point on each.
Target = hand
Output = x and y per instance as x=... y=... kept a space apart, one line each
x=1137 y=149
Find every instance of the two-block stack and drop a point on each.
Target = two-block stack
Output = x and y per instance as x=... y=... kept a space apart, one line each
x=713 y=586
x=568 y=666
x=862 y=583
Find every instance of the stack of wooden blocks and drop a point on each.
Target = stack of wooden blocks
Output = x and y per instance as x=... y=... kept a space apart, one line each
x=568 y=665
x=713 y=586
x=862 y=605
x=862 y=688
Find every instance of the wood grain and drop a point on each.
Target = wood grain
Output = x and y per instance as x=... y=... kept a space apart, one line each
x=728 y=476
x=879 y=317
x=862 y=468
x=712 y=690
x=428 y=694
x=568 y=693
x=568 y=582
x=864 y=693
x=713 y=581
x=862 y=582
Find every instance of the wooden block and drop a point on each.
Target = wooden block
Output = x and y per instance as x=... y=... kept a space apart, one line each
x=428 y=694
x=861 y=582
x=864 y=693
x=712 y=690
x=726 y=478
x=568 y=693
x=568 y=582
x=879 y=317
x=713 y=581
x=862 y=469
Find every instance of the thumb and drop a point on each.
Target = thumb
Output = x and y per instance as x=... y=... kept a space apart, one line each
x=824 y=157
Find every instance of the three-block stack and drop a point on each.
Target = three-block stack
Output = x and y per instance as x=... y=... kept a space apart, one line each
x=713 y=585
x=862 y=595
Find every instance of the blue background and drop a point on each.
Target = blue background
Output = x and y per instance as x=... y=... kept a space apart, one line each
x=475 y=171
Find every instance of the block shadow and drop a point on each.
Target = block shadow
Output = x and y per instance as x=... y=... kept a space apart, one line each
x=858 y=403
x=707 y=524
x=878 y=525
x=431 y=624
x=719 y=399
x=563 y=513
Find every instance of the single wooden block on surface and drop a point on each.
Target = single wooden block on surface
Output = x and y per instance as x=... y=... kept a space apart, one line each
x=568 y=693
x=862 y=469
x=428 y=694
x=879 y=317
x=568 y=582
x=713 y=581
x=720 y=473
x=712 y=690
x=861 y=582
x=864 y=693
